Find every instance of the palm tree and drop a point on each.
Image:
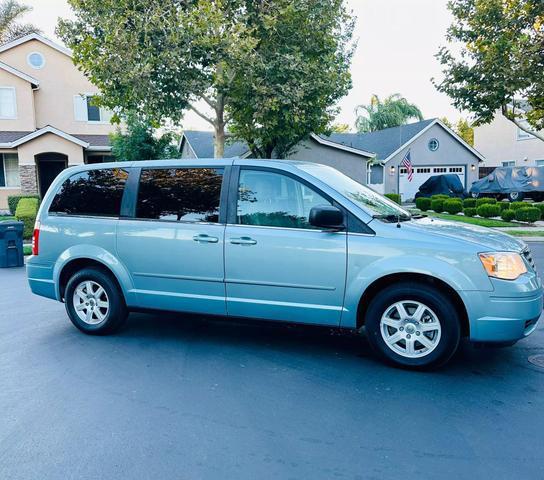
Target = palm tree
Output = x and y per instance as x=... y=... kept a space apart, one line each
x=10 y=27
x=395 y=110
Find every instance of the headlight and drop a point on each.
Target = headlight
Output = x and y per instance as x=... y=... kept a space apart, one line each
x=504 y=265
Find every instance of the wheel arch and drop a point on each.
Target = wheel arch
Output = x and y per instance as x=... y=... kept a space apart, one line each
x=420 y=278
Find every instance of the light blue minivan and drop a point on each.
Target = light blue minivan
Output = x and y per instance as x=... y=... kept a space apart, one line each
x=281 y=241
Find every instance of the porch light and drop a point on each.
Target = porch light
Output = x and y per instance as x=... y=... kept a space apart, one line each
x=473 y=167
x=392 y=169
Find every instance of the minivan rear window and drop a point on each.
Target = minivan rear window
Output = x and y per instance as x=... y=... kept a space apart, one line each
x=180 y=194
x=91 y=193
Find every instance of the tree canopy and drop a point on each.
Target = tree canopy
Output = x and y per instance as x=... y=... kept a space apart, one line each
x=141 y=141
x=394 y=111
x=11 y=12
x=500 y=64
x=271 y=70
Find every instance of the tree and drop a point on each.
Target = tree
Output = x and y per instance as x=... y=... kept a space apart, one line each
x=141 y=142
x=394 y=111
x=163 y=57
x=10 y=27
x=340 y=128
x=465 y=130
x=501 y=61
x=287 y=86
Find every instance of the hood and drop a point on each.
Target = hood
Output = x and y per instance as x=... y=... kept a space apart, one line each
x=489 y=239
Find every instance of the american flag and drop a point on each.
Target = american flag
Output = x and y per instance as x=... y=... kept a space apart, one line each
x=407 y=162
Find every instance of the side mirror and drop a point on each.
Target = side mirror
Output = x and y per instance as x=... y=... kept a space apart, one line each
x=327 y=216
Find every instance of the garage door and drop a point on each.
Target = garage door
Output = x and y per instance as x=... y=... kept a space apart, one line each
x=421 y=174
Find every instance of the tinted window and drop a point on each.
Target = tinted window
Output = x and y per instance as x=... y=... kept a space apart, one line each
x=275 y=200
x=180 y=194
x=95 y=192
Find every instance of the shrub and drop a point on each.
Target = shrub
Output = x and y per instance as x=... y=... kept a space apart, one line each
x=485 y=201
x=453 y=206
x=437 y=205
x=488 y=210
x=440 y=196
x=540 y=206
x=13 y=200
x=528 y=214
x=504 y=205
x=518 y=205
x=470 y=211
x=394 y=196
x=469 y=203
x=508 y=215
x=27 y=208
x=423 y=203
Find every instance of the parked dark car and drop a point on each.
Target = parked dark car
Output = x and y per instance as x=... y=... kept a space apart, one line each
x=449 y=184
x=513 y=183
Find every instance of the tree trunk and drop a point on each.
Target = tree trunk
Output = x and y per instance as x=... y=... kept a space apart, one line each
x=219 y=126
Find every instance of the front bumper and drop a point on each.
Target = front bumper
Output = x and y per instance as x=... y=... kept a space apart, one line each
x=508 y=313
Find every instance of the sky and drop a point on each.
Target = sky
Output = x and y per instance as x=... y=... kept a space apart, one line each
x=397 y=41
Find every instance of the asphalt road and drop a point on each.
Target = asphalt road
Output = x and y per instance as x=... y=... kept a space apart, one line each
x=185 y=398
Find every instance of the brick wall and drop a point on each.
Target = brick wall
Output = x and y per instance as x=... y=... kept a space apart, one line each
x=29 y=183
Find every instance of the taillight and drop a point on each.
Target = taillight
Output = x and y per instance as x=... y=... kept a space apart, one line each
x=36 y=238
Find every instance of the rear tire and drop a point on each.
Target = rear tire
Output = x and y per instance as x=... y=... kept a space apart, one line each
x=516 y=196
x=94 y=302
x=413 y=325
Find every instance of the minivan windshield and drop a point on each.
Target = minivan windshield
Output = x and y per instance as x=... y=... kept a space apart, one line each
x=372 y=202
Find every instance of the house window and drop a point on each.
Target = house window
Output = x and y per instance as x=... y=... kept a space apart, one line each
x=522 y=134
x=9 y=170
x=440 y=170
x=508 y=164
x=423 y=170
x=7 y=103
x=86 y=111
x=35 y=60
x=433 y=144
x=403 y=170
x=456 y=169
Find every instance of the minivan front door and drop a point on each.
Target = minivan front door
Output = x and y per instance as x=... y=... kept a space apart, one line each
x=277 y=266
x=173 y=248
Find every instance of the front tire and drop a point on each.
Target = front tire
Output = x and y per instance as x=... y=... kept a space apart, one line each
x=94 y=302
x=413 y=325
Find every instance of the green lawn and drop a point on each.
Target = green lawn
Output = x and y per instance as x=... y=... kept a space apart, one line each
x=482 y=222
x=4 y=218
x=27 y=249
x=526 y=233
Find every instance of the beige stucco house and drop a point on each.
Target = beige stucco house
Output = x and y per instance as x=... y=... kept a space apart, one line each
x=47 y=119
x=503 y=144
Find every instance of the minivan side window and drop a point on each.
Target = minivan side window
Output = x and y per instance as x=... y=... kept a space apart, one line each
x=180 y=194
x=91 y=193
x=271 y=199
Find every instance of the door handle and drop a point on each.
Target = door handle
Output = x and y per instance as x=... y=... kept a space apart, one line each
x=243 y=241
x=203 y=238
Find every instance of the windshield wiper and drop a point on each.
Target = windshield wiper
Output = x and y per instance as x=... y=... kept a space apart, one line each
x=391 y=217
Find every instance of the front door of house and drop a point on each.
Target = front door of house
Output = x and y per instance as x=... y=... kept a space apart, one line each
x=49 y=166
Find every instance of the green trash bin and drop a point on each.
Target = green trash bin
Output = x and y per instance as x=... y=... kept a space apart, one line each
x=11 y=244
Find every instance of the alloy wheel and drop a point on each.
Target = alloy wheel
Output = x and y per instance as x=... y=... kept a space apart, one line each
x=91 y=302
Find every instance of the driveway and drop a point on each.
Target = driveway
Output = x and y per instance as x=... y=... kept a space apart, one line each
x=178 y=397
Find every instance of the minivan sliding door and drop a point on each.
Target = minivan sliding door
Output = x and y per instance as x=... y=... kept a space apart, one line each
x=173 y=248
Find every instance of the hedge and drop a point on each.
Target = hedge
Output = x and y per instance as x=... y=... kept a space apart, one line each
x=423 y=203
x=469 y=203
x=437 y=205
x=13 y=200
x=440 y=196
x=470 y=211
x=453 y=206
x=394 y=196
x=27 y=208
x=504 y=205
x=485 y=201
x=508 y=215
x=518 y=205
x=528 y=214
x=540 y=206
x=488 y=210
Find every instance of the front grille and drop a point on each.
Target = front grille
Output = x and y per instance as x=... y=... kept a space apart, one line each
x=529 y=257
